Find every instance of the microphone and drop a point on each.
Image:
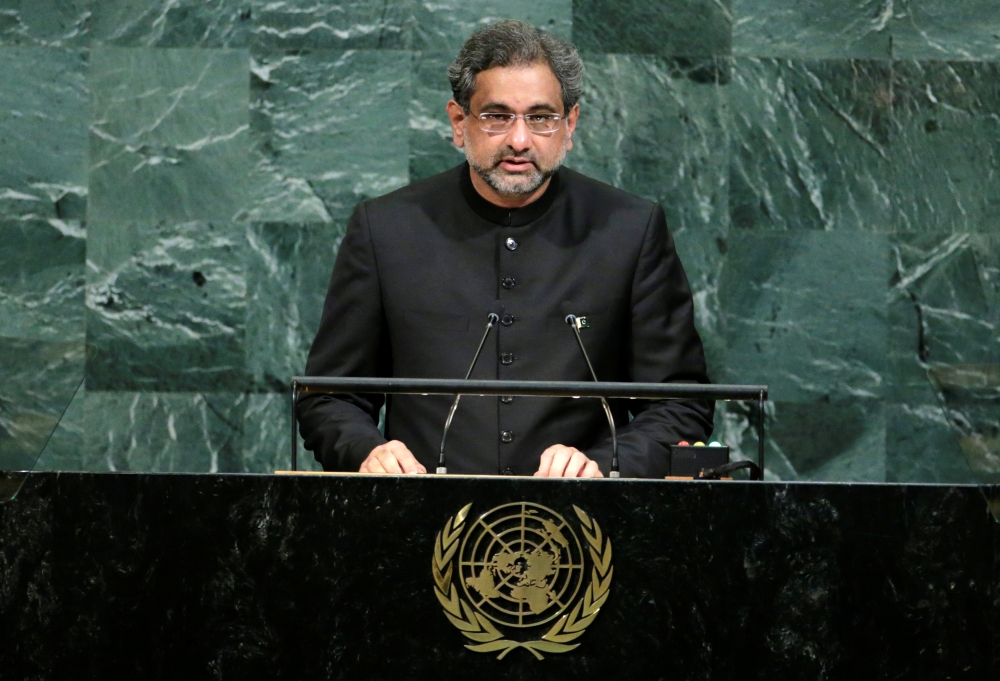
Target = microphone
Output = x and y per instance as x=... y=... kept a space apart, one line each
x=491 y=319
x=575 y=324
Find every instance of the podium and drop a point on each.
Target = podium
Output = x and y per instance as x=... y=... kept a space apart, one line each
x=178 y=576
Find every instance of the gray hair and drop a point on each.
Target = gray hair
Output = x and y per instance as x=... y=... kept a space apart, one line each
x=515 y=43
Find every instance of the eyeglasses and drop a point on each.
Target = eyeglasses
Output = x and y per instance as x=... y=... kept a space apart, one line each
x=538 y=123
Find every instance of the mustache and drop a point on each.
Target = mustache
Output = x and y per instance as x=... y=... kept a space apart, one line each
x=507 y=154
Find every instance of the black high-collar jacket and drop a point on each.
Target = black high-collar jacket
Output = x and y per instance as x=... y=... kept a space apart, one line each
x=415 y=278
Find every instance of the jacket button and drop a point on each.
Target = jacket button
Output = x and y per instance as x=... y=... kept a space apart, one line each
x=506 y=436
x=508 y=283
x=511 y=244
x=507 y=399
x=506 y=358
x=507 y=320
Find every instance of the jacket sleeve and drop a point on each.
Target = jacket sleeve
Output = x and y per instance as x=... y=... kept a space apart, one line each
x=663 y=347
x=352 y=341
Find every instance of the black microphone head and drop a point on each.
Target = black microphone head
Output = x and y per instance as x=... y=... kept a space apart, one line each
x=492 y=318
x=571 y=319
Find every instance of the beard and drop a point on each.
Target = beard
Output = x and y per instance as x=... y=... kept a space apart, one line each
x=507 y=183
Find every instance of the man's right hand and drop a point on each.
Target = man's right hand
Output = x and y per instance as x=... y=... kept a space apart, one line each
x=392 y=457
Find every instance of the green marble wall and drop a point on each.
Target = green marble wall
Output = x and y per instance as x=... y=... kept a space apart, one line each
x=176 y=176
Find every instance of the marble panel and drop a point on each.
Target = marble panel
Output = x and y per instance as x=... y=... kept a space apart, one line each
x=922 y=446
x=946 y=146
x=971 y=398
x=703 y=254
x=347 y=24
x=127 y=23
x=806 y=314
x=978 y=429
x=944 y=308
x=328 y=129
x=170 y=23
x=65 y=449
x=686 y=28
x=37 y=381
x=175 y=432
x=169 y=134
x=831 y=441
x=940 y=29
x=45 y=22
x=944 y=349
x=42 y=280
x=288 y=275
x=446 y=25
x=812 y=29
x=159 y=432
x=166 y=307
x=267 y=434
x=810 y=144
x=41 y=332
x=431 y=148
x=43 y=133
x=656 y=127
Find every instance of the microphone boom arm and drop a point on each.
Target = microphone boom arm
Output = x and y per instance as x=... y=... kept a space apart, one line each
x=491 y=319
x=571 y=320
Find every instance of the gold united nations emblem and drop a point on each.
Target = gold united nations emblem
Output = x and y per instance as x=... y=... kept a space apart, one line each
x=521 y=567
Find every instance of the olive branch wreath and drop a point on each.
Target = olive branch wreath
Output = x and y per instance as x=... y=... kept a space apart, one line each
x=477 y=627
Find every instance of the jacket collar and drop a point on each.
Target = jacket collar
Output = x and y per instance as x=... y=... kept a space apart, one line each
x=508 y=217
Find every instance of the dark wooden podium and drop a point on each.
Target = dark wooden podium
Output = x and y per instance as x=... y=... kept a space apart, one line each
x=332 y=577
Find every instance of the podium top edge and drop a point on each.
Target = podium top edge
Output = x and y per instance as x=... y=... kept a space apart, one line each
x=445 y=386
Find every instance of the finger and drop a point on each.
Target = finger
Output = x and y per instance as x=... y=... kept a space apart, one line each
x=559 y=461
x=577 y=461
x=546 y=461
x=591 y=470
x=374 y=466
x=389 y=463
x=407 y=461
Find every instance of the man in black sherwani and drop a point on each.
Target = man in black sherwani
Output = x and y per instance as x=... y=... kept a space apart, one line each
x=510 y=232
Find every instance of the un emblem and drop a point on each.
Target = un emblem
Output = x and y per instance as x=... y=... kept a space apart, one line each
x=521 y=566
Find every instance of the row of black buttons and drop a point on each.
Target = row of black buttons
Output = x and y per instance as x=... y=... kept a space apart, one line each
x=507 y=358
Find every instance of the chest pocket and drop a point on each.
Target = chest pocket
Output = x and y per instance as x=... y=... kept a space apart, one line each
x=436 y=321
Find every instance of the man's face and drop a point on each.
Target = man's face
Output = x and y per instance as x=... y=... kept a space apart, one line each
x=515 y=163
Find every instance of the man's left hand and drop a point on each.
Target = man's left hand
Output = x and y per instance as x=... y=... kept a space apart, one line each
x=560 y=461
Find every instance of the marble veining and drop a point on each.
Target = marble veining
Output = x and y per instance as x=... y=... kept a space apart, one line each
x=810 y=145
x=946 y=163
x=328 y=130
x=181 y=288
x=814 y=28
x=177 y=175
x=168 y=137
x=43 y=134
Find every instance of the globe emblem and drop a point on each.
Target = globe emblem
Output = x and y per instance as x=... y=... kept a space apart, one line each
x=521 y=564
